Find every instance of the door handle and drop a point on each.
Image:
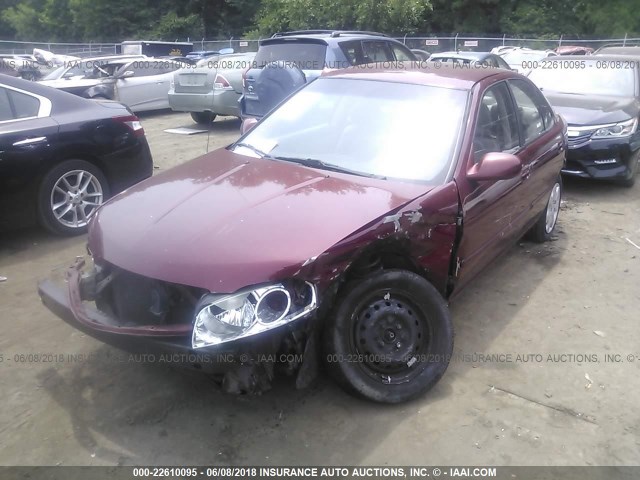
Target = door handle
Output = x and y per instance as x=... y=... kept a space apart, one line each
x=30 y=141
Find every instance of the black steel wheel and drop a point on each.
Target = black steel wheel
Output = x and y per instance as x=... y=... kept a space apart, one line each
x=390 y=337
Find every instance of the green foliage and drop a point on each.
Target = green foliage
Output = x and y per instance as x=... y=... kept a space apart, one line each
x=393 y=16
x=172 y=27
x=611 y=18
x=118 y=20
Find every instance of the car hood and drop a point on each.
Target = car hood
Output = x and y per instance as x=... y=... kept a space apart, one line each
x=225 y=221
x=580 y=109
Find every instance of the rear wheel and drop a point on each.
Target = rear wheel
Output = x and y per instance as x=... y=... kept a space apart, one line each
x=203 y=118
x=546 y=224
x=68 y=196
x=389 y=338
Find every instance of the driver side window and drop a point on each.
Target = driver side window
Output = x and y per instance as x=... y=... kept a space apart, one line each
x=496 y=125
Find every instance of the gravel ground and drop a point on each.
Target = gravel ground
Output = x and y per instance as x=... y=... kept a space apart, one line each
x=560 y=322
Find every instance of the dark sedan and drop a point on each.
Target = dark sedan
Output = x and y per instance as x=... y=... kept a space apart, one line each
x=599 y=97
x=327 y=233
x=61 y=156
x=483 y=59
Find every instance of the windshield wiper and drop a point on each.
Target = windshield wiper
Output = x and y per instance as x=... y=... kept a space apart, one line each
x=314 y=163
x=253 y=149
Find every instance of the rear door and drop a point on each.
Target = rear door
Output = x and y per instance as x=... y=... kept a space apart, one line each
x=541 y=152
x=27 y=139
x=148 y=88
x=489 y=207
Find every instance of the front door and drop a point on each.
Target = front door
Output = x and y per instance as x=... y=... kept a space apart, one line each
x=489 y=208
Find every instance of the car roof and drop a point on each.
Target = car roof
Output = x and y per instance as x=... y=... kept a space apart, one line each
x=602 y=57
x=463 y=55
x=443 y=75
x=330 y=37
x=619 y=49
x=107 y=57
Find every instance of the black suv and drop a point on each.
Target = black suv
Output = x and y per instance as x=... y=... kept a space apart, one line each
x=288 y=60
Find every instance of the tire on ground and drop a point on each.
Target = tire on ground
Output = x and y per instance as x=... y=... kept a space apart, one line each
x=362 y=312
x=539 y=233
x=47 y=184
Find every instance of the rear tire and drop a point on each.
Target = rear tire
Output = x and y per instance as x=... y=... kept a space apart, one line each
x=546 y=224
x=203 y=118
x=68 y=196
x=389 y=337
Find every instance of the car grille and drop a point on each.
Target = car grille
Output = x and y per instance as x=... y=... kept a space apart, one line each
x=579 y=138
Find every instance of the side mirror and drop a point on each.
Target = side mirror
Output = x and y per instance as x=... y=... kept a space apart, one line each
x=248 y=124
x=127 y=74
x=495 y=166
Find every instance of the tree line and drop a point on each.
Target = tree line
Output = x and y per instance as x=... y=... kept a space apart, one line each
x=118 y=20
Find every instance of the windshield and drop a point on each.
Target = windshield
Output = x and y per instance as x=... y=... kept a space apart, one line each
x=364 y=127
x=600 y=81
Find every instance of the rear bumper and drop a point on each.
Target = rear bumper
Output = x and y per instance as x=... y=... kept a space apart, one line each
x=220 y=102
x=603 y=159
x=128 y=167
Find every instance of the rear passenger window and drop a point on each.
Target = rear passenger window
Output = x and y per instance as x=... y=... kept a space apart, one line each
x=353 y=51
x=24 y=106
x=400 y=53
x=167 y=67
x=145 y=69
x=377 y=51
x=5 y=106
x=534 y=113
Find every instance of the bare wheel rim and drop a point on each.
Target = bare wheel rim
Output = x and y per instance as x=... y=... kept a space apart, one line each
x=75 y=197
x=389 y=334
x=553 y=207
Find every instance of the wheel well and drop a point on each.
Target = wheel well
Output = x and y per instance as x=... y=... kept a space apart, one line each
x=380 y=260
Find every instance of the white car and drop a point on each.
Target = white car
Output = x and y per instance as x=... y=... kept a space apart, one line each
x=521 y=59
x=81 y=67
x=141 y=83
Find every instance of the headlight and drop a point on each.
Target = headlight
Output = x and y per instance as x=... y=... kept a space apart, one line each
x=222 y=318
x=621 y=129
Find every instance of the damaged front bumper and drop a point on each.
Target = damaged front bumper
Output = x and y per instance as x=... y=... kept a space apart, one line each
x=245 y=365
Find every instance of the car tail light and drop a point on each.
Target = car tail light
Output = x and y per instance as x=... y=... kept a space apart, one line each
x=221 y=83
x=133 y=123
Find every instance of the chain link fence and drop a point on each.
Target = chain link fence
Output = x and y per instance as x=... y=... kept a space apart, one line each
x=431 y=44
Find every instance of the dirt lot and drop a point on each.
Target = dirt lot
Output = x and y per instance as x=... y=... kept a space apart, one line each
x=576 y=299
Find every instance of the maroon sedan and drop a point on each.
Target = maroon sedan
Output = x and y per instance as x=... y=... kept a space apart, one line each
x=336 y=229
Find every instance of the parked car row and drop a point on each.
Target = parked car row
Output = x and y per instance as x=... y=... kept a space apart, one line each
x=328 y=237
